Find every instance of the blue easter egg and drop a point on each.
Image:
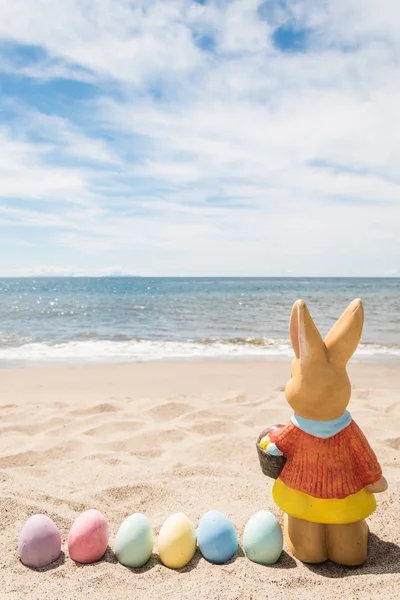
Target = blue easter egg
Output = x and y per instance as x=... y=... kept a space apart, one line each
x=216 y=537
x=262 y=538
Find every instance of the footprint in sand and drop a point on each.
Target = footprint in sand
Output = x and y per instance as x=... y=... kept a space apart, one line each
x=168 y=411
x=154 y=453
x=235 y=398
x=392 y=443
x=280 y=388
x=201 y=471
x=35 y=428
x=137 y=494
x=114 y=427
x=392 y=407
x=95 y=410
x=362 y=394
x=61 y=502
x=169 y=436
x=31 y=458
x=199 y=415
x=214 y=428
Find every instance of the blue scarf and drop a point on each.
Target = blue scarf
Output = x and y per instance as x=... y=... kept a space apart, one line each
x=320 y=429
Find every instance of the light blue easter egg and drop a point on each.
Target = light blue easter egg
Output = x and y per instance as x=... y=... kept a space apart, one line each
x=134 y=541
x=216 y=537
x=262 y=538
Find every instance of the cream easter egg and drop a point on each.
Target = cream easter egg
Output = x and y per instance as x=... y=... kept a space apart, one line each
x=177 y=541
x=88 y=538
x=39 y=542
x=134 y=541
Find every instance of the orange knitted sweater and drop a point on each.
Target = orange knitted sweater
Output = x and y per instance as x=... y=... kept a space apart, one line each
x=334 y=467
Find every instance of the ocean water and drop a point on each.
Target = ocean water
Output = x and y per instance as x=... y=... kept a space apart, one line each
x=47 y=320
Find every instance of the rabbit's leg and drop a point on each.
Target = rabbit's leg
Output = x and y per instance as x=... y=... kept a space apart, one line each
x=348 y=544
x=306 y=540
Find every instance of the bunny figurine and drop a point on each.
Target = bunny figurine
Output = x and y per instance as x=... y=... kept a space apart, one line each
x=330 y=473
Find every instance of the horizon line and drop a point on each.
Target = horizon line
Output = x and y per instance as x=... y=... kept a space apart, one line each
x=128 y=276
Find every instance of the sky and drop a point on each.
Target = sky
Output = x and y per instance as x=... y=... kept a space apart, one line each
x=200 y=138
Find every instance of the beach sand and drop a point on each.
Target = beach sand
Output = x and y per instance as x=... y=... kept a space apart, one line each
x=165 y=438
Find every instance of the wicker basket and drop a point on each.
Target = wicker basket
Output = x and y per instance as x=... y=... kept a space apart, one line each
x=271 y=466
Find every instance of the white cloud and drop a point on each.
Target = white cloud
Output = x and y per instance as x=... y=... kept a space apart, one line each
x=62 y=135
x=113 y=39
x=24 y=173
x=242 y=160
x=352 y=22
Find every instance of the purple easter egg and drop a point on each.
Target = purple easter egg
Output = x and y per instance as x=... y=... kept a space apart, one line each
x=39 y=542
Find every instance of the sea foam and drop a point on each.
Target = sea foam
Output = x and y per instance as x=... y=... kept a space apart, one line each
x=103 y=351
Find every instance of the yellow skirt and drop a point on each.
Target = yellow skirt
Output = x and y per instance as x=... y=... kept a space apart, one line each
x=321 y=510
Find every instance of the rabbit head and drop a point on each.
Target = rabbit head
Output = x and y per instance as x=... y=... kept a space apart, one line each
x=319 y=388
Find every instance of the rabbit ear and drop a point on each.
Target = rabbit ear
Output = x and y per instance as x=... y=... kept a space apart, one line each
x=343 y=338
x=306 y=340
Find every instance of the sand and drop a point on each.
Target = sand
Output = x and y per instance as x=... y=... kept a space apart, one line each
x=165 y=438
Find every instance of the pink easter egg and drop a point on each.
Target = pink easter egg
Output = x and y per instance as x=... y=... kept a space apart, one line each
x=88 y=537
x=39 y=542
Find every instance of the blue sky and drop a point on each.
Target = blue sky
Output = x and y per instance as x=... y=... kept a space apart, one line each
x=200 y=138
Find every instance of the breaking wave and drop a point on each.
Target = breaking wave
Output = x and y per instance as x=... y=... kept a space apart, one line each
x=104 y=351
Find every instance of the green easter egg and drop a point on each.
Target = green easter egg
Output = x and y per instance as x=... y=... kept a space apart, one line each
x=134 y=541
x=262 y=538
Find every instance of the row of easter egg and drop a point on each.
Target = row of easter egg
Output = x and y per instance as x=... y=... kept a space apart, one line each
x=216 y=538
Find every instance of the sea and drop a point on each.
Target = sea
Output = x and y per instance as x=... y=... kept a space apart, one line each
x=134 y=319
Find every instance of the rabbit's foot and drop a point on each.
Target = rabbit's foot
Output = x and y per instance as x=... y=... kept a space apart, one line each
x=306 y=540
x=348 y=544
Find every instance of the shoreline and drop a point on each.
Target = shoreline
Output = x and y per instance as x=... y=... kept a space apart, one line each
x=247 y=373
x=29 y=364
